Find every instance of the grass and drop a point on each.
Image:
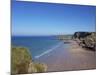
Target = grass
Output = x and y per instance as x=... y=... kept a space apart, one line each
x=21 y=62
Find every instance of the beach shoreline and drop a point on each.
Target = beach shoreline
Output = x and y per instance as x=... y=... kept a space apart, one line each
x=69 y=57
x=48 y=51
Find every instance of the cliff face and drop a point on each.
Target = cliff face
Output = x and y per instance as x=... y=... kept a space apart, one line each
x=80 y=35
x=21 y=62
x=87 y=39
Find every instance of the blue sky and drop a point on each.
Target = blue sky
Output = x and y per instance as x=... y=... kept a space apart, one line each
x=35 y=18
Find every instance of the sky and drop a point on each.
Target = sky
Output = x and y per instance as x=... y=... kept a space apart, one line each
x=36 y=18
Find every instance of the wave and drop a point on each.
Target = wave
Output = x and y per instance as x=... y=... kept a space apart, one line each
x=48 y=51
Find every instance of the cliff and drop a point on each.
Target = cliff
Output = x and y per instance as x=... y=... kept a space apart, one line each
x=86 y=39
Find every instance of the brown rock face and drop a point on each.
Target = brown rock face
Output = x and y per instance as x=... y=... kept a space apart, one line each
x=87 y=39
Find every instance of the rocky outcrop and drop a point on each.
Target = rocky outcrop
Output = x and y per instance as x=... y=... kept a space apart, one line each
x=80 y=35
x=86 y=39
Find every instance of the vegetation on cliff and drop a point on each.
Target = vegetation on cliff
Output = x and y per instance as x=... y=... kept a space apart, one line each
x=65 y=38
x=21 y=62
x=86 y=39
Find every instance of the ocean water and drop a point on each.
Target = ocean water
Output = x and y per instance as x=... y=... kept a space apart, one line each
x=38 y=45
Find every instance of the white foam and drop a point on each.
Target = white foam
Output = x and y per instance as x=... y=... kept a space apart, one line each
x=48 y=51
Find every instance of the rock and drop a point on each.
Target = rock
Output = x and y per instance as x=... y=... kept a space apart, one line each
x=87 y=39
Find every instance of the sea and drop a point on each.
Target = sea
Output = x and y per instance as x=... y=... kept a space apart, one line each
x=37 y=45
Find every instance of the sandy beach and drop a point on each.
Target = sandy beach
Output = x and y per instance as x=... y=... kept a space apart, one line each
x=69 y=57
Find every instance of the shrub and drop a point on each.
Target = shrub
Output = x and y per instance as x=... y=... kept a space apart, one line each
x=20 y=59
x=21 y=62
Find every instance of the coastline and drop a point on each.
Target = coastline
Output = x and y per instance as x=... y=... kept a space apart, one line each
x=48 y=51
x=65 y=58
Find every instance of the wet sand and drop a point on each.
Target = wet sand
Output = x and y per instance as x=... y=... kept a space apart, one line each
x=68 y=57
